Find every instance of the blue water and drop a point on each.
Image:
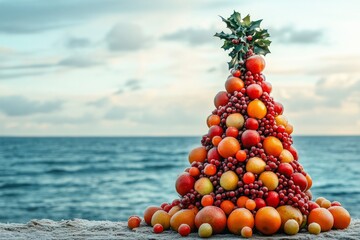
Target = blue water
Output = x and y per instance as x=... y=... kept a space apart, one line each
x=112 y=178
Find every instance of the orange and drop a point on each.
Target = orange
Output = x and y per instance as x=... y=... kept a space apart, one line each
x=194 y=171
x=281 y=121
x=272 y=146
x=323 y=217
x=233 y=84
x=213 y=120
x=238 y=219
x=210 y=169
x=227 y=206
x=241 y=155
x=216 y=140
x=198 y=154
x=256 y=109
x=186 y=216
x=267 y=220
x=250 y=204
x=289 y=129
x=341 y=216
x=241 y=201
x=228 y=147
x=207 y=200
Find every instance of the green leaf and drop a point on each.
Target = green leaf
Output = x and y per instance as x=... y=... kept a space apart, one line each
x=246 y=21
x=228 y=24
x=236 y=17
x=222 y=35
x=261 y=50
x=227 y=45
x=254 y=25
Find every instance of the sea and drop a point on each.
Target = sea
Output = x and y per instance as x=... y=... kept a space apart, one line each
x=111 y=178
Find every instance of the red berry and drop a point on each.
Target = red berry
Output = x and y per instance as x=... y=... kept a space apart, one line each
x=254 y=91
x=158 y=228
x=249 y=38
x=236 y=72
x=184 y=230
x=167 y=207
x=163 y=205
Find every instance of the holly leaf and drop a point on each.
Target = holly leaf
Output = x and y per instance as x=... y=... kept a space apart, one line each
x=254 y=25
x=236 y=17
x=246 y=21
x=261 y=50
x=227 y=45
x=222 y=35
x=229 y=24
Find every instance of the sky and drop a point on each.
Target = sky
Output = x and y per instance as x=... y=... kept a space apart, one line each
x=152 y=68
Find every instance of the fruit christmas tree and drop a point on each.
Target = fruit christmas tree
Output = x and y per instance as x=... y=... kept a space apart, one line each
x=246 y=174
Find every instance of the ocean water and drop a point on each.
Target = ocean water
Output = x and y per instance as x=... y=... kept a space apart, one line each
x=112 y=178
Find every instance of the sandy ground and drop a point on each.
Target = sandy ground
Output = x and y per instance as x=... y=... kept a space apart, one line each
x=85 y=229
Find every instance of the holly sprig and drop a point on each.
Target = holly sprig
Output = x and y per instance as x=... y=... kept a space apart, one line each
x=245 y=35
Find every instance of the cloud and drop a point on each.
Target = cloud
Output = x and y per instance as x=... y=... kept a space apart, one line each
x=295 y=36
x=116 y=113
x=126 y=37
x=99 y=103
x=74 y=42
x=20 y=106
x=78 y=62
x=192 y=36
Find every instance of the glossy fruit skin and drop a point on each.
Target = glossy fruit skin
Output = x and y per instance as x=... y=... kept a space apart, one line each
x=291 y=227
x=269 y=179
x=235 y=120
x=236 y=72
x=289 y=212
x=255 y=64
x=241 y=155
x=215 y=131
x=184 y=183
x=323 y=217
x=286 y=156
x=149 y=212
x=174 y=210
x=278 y=108
x=213 y=154
x=194 y=171
x=272 y=199
x=214 y=216
x=232 y=132
x=186 y=216
x=266 y=86
x=260 y=203
x=248 y=177
x=250 y=138
x=134 y=222
x=255 y=165
x=250 y=204
x=213 y=120
x=227 y=206
x=309 y=181
x=161 y=217
x=254 y=91
x=238 y=219
x=228 y=147
x=256 y=109
x=251 y=124
x=341 y=216
x=325 y=204
x=229 y=180
x=294 y=152
x=233 y=84
x=184 y=230
x=285 y=169
x=300 y=180
x=197 y=154
x=281 y=120
x=314 y=228
x=221 y=99
x=210 y=169
x=207 y=200
x=312 y=205
x=272 y=146
x=205 y=230
x=241 y=201
x=203 y=186
x=246 y=232
x=158 y=228
x=267 y=220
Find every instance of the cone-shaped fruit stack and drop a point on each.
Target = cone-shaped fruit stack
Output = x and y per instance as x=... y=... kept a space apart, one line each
x=246 y=175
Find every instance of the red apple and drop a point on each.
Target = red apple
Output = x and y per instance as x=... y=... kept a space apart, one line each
x=252 y=124
x=214 y=216
x=266 y=87
x=279 y=108
x=272 y=199
x=300 y=180
x=232 y=132
x=312 y=205
x=285 y=169
x=184 y=183
x=250 y=138
x=259 y=203
x=255 y=64
x=213 y=154
x=254 y=91
x=294 y=152
x=221 y=99
x=215 y=131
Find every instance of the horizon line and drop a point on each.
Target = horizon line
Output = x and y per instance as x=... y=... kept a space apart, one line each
x=155 y=136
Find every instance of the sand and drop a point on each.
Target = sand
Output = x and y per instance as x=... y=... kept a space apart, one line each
x=85 y=229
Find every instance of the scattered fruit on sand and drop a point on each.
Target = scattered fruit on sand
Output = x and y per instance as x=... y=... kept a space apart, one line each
x=314 y=228
x=158 y=228
x=134 y=222
x=149 y=212
x=323 y=217
x=184 y=230
x=161 y=217
x=267 y=220
x=341 y=216
x=246 y=232
x=214 y=216
x=205 y=230
x=288 y=212
x=184 y=216
x=291 y=227
x=238 y=219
